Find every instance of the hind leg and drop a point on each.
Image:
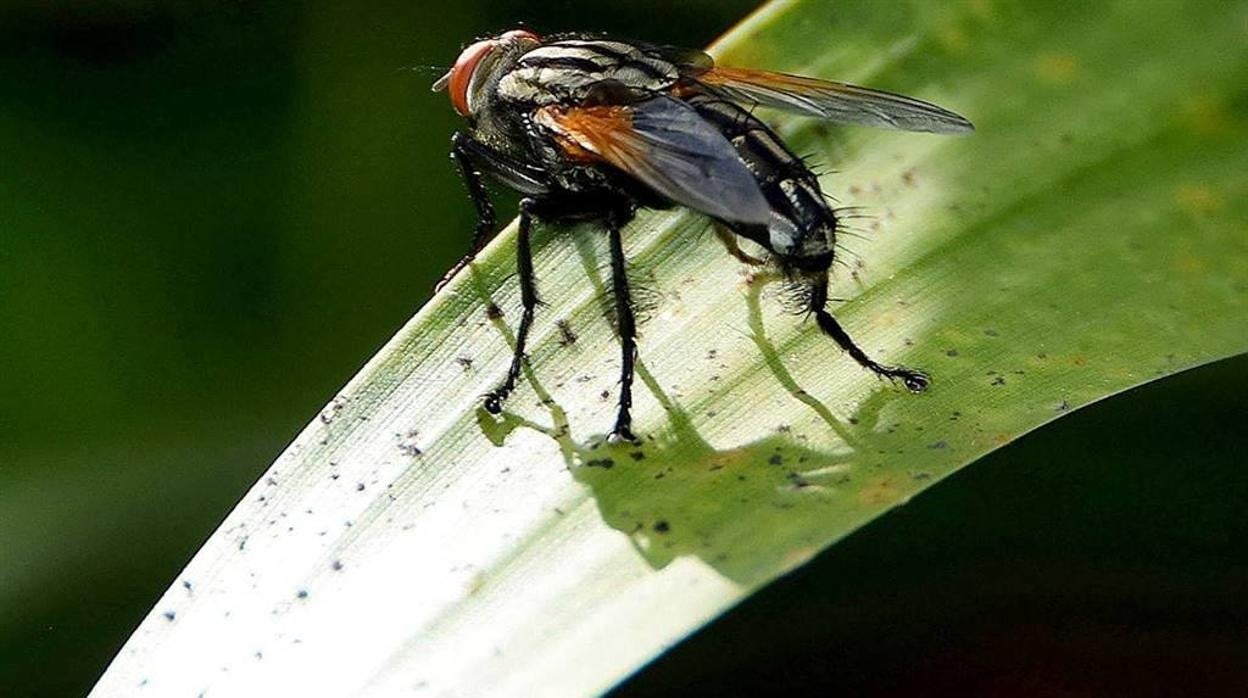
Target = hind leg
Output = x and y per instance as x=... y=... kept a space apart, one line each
x=915 y=381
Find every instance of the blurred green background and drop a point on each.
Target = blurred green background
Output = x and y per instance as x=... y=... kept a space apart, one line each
x=212 y=213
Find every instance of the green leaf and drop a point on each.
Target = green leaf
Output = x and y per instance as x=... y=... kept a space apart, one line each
x=1088 y=238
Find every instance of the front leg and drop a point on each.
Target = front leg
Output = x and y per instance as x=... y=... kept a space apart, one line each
x=486 y=218
x=528 y=299
x=476 y=159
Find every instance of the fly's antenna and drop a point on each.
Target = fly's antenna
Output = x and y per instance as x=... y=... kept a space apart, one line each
x=433 y=70
x=439 y=74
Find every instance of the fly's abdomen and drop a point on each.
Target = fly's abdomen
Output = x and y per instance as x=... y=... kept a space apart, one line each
x=802 y=230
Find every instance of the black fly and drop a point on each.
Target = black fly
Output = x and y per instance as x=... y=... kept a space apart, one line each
x=587 y=127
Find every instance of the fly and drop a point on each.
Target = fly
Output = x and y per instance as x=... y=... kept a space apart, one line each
x=589 y=127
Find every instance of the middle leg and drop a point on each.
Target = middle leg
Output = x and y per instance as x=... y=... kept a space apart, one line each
x=528 y=300
x=626 y=324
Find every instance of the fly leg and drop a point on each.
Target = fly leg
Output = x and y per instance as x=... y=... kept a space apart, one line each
x=729 y=240
x=474 y=160
x=915 y=381
x=528 y=300
x=480 y=199
x=626 y=324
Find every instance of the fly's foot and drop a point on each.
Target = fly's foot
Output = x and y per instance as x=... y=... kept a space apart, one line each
x=622 y=434
x=915 y=381
x=493 y=402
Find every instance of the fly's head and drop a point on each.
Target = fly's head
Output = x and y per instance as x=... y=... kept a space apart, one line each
x=471 y=82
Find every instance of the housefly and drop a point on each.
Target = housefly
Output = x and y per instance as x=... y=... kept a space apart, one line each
x=589 y=127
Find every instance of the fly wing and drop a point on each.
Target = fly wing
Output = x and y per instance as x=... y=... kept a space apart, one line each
x=666 y=145
x=833 y=101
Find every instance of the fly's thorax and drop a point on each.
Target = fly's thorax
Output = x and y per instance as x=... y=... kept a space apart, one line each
x=568 y=71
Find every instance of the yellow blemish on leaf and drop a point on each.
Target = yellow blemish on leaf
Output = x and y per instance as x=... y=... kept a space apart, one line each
x=1198 y=199
x=1205 y=115
x=1188 y=264
x=981 y=8
x=953 y=39
x=1057 y=68
x=797 y=556
x=881 y=491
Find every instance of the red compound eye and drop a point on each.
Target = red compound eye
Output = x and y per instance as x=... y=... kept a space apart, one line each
x=461 y=74
x=460 y=78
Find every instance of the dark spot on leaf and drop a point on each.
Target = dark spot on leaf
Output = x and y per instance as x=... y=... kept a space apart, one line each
x=464 y=363
x=302 y=593
x=359 y=487
x=336 y=566
x=938 y=445
x=637 y=455
x=410 y=450
x=991 y=333
x=604 y=463
x=661 y=526
x=493 y=312
x=566 y=336
x=169 y=615
x=951 y=352
x=776 y=459
x=999 y=380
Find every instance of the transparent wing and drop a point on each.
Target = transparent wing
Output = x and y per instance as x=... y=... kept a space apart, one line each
x=664 y=144
x=833 y=101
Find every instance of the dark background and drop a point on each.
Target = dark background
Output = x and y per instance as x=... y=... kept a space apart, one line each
x=211 y=214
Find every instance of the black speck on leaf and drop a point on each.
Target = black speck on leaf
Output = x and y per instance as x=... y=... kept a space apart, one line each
x=662 y=526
